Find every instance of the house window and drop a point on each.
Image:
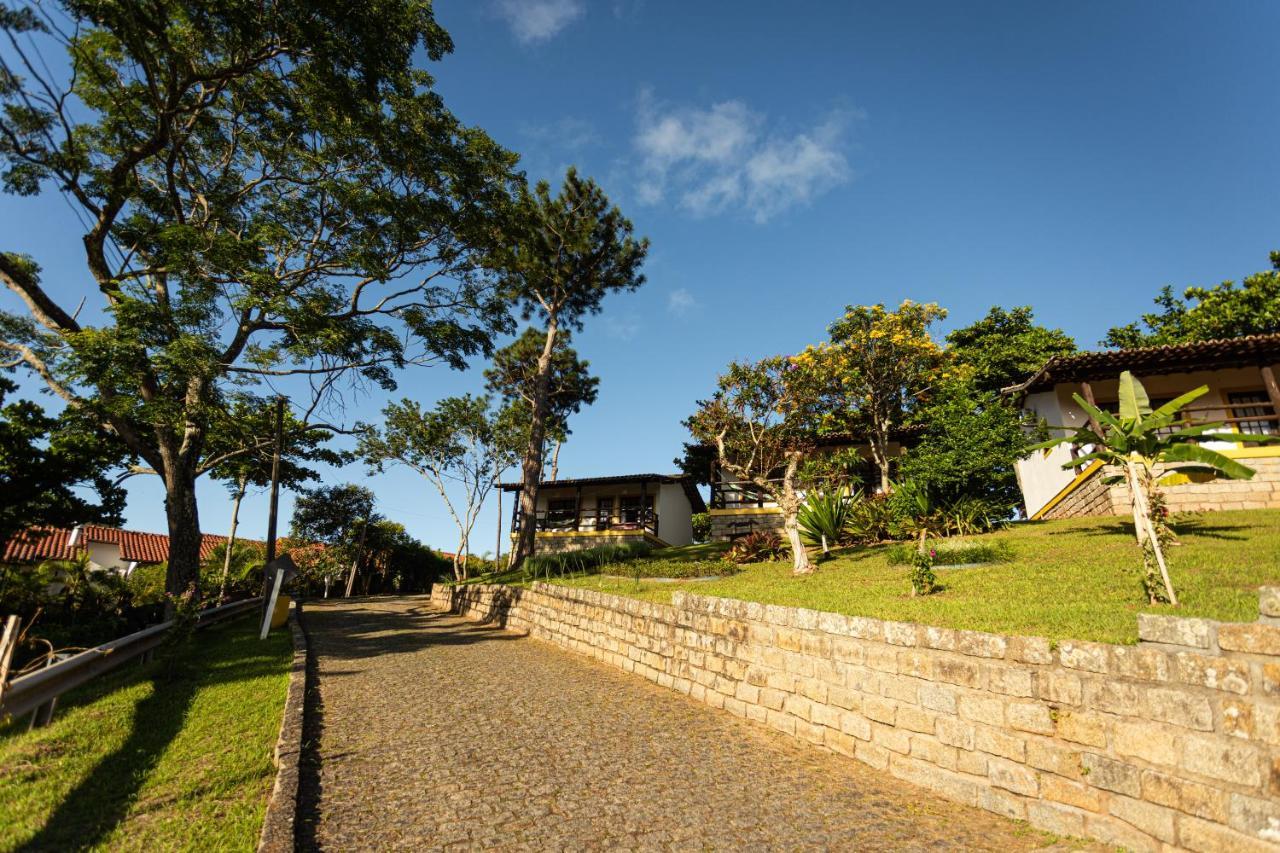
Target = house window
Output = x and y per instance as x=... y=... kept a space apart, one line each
x=561 y=512
x=629 y=510
x=1257 y=423
x=604 y=512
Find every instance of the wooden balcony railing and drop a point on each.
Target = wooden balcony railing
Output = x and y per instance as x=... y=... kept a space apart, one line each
x=737 y=494
x=546 y=521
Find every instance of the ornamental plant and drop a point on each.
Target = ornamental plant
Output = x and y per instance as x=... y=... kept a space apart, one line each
x=1135 y=442
x=924 y=581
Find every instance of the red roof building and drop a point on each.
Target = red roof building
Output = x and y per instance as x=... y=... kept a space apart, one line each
x=133 y=546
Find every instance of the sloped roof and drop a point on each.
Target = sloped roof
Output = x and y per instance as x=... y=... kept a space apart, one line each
x=685 y=481
x=50 y=543
x=1247 y=351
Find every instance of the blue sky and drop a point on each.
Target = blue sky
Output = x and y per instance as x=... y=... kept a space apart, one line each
x=788 y=159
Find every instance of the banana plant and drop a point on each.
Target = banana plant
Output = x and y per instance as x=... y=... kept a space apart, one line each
x=1132 y=441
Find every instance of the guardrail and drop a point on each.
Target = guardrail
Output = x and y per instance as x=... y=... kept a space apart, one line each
x=44 y=686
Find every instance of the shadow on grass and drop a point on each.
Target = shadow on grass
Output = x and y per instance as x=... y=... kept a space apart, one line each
x=101 y=801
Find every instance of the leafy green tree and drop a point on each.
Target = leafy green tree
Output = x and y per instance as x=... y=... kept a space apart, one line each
x=48 y=464
x=338 y=517
x=1005 y=347
x=1207 y=313
x=268 y=190
x=763 y=421
x=971 y=441
x=462 y=443
x=1133 y=441
x=571 y=251
x=880 y=365
x=696 y=462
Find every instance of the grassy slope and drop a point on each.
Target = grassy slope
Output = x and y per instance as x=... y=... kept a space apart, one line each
x=142 y=759
x=1076 y=579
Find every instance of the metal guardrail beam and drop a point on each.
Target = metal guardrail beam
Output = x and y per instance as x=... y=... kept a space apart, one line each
x=29 y=692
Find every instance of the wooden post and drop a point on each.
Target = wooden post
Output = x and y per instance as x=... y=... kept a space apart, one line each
x=8 y=643
x=577 y=508
x=497 y=554
x=1086 y=391
x=1273 y=389
x=355 y=561
x=274 y=508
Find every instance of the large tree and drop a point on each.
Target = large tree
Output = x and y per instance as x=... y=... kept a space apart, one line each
x=55 y=470
x=882 y=364
x=462 y=446
x=763 y=421
x=267 y=190
x=1005 y=347
x=573 y=249
x=339 y=517
x=1207 y=313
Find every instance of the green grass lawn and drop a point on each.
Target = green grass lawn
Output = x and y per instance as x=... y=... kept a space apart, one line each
x=1075 y=579
x=153 y=757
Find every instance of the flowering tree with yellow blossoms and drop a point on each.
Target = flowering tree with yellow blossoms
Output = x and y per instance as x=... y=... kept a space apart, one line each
x=762 y=422
x=878 y=366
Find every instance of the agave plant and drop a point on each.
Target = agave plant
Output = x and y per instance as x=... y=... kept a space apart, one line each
x=1132 y=442
x=825 y=515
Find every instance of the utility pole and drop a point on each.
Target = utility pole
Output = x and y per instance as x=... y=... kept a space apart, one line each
x=275 y=481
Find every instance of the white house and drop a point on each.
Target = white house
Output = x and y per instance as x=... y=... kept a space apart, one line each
x=1241 y=376
x=590 y=511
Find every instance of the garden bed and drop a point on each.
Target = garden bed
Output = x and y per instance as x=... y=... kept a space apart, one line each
x=1073 y=579
x=150 y=757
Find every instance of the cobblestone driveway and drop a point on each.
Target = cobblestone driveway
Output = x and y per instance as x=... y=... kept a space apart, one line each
x=440 y=733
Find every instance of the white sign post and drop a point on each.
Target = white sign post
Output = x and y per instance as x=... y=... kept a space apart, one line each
x=271 y=603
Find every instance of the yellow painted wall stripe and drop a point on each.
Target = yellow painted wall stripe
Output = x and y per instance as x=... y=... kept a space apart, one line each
x=747 y=510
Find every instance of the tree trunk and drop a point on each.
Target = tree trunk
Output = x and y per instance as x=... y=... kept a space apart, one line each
x=231 y=537
x=497 y=554
x=555 y=462
x=183 y=576
x=355 y=561
x=880 y=455
x=531 y=466
x=1145 y=529
x=790 y=506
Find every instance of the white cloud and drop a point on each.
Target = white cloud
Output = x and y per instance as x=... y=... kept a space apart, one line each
x=680 y=302
x=726 y=156
x=534 y=21
x=568 y=132
x=623 y=328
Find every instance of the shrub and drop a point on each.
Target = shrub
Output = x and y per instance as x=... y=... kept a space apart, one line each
x=872 y=519
x=660 y=568
x=952 y=552
x=586 y=560
x=923 y=579
x=701 y=526
x=824 y=517
x=758 y=547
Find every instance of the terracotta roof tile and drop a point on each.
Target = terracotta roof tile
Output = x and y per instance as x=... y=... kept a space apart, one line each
x=50 y=543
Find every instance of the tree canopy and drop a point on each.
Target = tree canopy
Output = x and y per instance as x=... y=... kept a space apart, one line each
x=267 y=190
x=1005 y=347
x=1207 y=313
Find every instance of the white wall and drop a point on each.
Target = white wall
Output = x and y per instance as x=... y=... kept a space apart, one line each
x=1041 y=474
x=675 y=515
x=106 y=555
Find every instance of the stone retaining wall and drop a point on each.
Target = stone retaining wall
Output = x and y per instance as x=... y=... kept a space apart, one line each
x=1173 y=743
x=728 y=526
x=1092 y=497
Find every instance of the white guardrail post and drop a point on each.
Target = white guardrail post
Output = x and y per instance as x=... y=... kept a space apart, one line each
x=41 y=688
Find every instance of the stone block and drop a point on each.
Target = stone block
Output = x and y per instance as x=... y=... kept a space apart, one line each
x=958 y=671
x=1071 y=793
x=1114 y=697
x=1266 y=722
x=1175 y=630
x=1009 y=680
x=1013 y=777
x=900 y=633
x=892 y=739
x=1064 y=688
x=1030 y=717
x=900 y=688
x=1152 y=819
x=842 y=697
x=953 y=732
x=1043 y=755
x=784 y=723
x=1269 y=601
x=1146 y=664
x=1190 y=797
x=935 y=752
x=880 y=710
x=1271 y=679
x=840 y=742
x=1119 y=833
x=1255 y=639
x=916 y=663
x=996 y=742
x=1180 y=707
x=1055 y=818
x=872 y=755
x=1236 y=715
x=1001 y=803
x=916 y=720
x=935 y=698
x=1082 y=727
x=973 y=763
x=1223 y=758
x=982 y=709
x=1111 y=775
x=1035 y=650
x=1152 y=743
x=855 y=725
x=939 y=638
x=1216 y=673
x=1205 y=837
x=866 y=629
x=1091 y=657
x=980 y=644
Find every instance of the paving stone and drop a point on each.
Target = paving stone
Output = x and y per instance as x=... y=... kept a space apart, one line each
x=436 y=732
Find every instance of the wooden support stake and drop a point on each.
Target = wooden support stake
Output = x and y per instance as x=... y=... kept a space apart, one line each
x=8 y=643
x=1086 y=391
x=1273 y=389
